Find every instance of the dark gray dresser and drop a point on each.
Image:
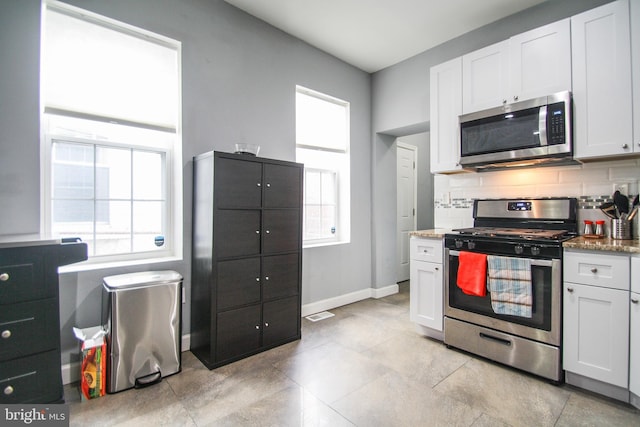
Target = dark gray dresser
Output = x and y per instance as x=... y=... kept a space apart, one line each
x=30 y=319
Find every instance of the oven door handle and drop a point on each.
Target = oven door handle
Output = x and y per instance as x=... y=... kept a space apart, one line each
x=537 y=262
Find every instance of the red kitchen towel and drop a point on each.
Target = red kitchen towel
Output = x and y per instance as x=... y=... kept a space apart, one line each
x=472 y=273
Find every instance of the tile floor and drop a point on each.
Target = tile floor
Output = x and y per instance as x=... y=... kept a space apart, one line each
x=365 y=367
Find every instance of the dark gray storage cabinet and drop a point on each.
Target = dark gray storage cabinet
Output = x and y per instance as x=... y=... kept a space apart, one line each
x=30 y=319
x=246 y=257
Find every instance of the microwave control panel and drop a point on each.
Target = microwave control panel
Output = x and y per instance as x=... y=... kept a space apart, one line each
x=556 y=123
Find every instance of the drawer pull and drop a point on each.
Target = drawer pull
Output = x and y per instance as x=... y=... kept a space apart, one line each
x=8 y=390
x=268 y=185
x=258 y=327
x=257 y=279
x=424 y=250
x=4 y=277
x=266 y=278
x=259 y=185
x=570 y=290
x=6 y=334
x=266 y=324
x=594 y=270
x=634 y=300
x=436 y=269
x=267 y=232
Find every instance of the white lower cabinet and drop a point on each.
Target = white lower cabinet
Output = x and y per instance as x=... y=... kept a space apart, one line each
x=426 y=286
x=596 y=333
x=596 y=322
x=634 y=341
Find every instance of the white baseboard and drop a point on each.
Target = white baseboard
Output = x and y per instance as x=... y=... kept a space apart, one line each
x=339 y=301
x=71 y=371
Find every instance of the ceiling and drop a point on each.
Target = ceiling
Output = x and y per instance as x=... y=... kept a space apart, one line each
x=374 y=34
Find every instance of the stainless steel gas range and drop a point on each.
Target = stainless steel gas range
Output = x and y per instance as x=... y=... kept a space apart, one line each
x=503 y=282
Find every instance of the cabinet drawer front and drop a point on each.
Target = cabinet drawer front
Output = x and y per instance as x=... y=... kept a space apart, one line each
x=281 y=230
x=237 y=233
x=241 y=181
x=609 y=271
x=238 y=282
x=22 y=277
x=281 y=321
x=635 y=275
x=429 y=250
x=238 y=332
x=282 y=186
x=34 y=379
x=28 y=328
x=280 y=276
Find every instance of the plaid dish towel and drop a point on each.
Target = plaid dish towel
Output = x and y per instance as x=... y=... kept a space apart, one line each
x=510 y=286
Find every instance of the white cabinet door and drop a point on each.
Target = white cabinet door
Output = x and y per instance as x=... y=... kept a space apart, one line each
x=635 y=67
x=425 y=307
x=446 y=107
x=540 y=61
x=634 y=343
x=601 y=57
x=596 y=333
x=484 y=77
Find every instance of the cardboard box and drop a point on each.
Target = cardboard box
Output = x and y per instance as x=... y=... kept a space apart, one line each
x=93 y=366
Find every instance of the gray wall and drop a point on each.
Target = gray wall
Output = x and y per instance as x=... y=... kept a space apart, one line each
x=239 y=76
x=401 y=107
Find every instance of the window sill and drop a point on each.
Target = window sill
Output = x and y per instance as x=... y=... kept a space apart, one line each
x=322 y=244
x=86 y=266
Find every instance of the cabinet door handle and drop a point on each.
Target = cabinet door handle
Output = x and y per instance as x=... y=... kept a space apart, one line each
x=257 y=279
x=267 y=231
x=436 y=269
x=6 y=334
x=257 y=231
x=268 y=185
x=504 y=101
x=515 y=98
x=634 y=300
x=259 y=184
x=625 y=146
x=570 y=290
x=4 y=277
x=266 y=278
x=8 y=390
x=258 y=327
x=266 y=324
x=594 y=270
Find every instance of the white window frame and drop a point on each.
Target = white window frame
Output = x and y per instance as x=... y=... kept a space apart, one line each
x=173 y=158
x=342 y=191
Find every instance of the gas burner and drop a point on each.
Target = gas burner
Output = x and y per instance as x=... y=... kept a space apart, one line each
x=522 y=233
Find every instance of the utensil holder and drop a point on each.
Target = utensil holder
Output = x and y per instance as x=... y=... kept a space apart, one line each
x=620 y=229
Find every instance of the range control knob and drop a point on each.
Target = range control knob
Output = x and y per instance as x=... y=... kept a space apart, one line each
x=519 y=249
x=459 y=244
x=471 y=245
x=535 y=250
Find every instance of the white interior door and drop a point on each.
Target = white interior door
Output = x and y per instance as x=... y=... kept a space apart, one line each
x=406 y=182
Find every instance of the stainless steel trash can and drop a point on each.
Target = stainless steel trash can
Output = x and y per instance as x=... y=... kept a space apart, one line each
x=142 y=314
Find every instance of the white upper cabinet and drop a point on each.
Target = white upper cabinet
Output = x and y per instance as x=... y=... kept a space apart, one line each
x=601 y=57
x=484 y=77
x=529 y=65
x=446 y=105
x=540 y=61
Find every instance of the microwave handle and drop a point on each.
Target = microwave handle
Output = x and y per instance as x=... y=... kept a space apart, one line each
x=542 y=125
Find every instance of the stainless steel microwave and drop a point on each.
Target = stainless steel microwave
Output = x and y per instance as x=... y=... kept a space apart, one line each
x=527 y=133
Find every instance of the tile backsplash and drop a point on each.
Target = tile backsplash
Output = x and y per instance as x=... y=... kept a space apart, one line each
x=592 y=183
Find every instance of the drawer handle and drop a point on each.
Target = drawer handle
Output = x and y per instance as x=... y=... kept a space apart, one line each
x=268 y=185
x=8 y=390
x=259 y=185
x=266 y=324
x=6 y=334
x=424 y=250
x=436 y=269
x=257 y=279
x=570 y=290
x=634 y=300
x=266 y=278
x=268 y=232
x=258 y=327
x=4 y=277
x=257 y=231
x=594 y=270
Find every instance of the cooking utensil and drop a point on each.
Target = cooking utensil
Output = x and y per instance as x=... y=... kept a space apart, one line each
x=633 y=213
x=636 y=200
x=621 y=202
x=609 y=209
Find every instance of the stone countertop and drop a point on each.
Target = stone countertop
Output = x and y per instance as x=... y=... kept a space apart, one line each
x=434 y=233
x=603 y=244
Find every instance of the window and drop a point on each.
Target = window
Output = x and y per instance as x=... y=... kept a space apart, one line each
x=111 y=163
x=322 y=144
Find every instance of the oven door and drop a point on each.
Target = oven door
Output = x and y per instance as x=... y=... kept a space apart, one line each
x=543 y=326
